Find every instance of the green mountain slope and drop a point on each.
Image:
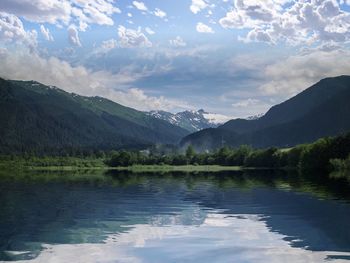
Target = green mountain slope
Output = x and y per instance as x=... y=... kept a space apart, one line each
x=321 y=110
x=35 y=117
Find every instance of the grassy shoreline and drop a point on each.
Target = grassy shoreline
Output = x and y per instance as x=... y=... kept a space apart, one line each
x=133 y=168
x=178 y=168
x=98 y=164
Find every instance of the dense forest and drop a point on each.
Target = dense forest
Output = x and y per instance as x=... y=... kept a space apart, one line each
x=341 y=165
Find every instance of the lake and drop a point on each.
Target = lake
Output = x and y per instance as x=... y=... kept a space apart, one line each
x=253 y=216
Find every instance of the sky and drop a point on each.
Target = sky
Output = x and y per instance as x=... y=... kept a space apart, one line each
x=233 y=57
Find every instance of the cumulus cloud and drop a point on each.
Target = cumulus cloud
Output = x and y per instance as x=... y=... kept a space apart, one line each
x=149 y=31
x=129 y=38
x=177 y=42
x=78 y=79
x=94 y=12
x=198 y=5
x=39 y=11
x=62 y=11
x=12 y=30
x=159 y=13
x=203 y=28
x=59 y=12
x=140 y=5
x=109 y=45
x=298 y=22
x=73 y=36
x=258 y=35
x=46 y=33
x=298 y=72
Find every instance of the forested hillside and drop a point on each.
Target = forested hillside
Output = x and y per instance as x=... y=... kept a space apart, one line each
x=44 y=119
x=319 y=111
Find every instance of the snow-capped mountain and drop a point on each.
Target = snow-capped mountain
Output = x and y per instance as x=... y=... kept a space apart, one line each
x=192 y=120
x=255 y=117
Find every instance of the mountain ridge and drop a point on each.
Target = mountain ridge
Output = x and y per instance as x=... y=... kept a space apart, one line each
x=320 y=110
x=36 y=117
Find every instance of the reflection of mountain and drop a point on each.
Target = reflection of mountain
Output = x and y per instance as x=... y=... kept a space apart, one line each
x=303 y=219
x=64 y=212
x=78 y=213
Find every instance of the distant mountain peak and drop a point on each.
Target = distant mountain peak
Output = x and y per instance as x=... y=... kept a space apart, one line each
x=255 y=117
x=191 y=120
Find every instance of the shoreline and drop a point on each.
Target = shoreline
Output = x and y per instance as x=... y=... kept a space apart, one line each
x=139 y=168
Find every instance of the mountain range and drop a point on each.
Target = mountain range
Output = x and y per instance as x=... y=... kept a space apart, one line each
x=45 y=119
x=319 y=111
x=40 y=118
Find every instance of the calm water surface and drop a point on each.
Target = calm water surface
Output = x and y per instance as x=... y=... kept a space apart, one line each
x=221 y=217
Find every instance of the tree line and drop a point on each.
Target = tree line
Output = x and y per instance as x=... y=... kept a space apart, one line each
x=326 y=154
x=317 y=156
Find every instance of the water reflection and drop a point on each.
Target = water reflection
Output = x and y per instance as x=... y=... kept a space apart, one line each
x=120 y=217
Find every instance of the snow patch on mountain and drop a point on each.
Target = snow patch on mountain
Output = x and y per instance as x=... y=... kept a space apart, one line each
x=192 y=120
x=255 y=117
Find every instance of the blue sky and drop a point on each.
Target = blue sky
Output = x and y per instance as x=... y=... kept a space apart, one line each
x=234 y=57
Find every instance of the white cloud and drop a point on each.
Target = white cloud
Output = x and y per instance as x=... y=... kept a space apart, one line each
x=203 y=28
x=39 y=11
x=216 y=118
x=25 y=65
x=95 y=12
x=62 y=11
x=109 y=45
x=46 y=33
x=12 y=30
x=58 y=12
x=248 y=107
x=129 y=38
x=73 y=36
x=3 y=51
x=149 y=31
x=246 y=103
x=159 y=13
x=140 y=5
x=299 y=22
x=177 y=42
x=296 y=73
x=198 y=5
x=137 y=98
x=259 y=36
